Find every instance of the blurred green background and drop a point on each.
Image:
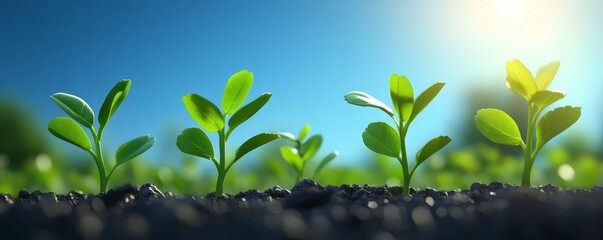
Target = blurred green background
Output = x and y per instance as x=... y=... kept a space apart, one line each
x=30 y=159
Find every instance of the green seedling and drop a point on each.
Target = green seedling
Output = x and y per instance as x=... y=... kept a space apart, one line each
x=384 y=139
x=303 y=151
x=195 y=142
x=67 y=129
x=499 y=127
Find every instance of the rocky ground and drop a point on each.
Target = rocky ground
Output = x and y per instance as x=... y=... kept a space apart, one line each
x=308 y=211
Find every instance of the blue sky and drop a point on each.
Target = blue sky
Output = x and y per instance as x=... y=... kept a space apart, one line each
x=307 y=53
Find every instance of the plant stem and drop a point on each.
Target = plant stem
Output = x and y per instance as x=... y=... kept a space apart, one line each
x=404 y=160
x=222 y=165
x=100 y=163
x=527 y=152
x=298 y=145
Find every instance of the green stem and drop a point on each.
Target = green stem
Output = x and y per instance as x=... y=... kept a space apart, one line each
x=298 y=146
x=301 y=172
x=100 y=163
x=527 y=151
x=222 y=166
x=404 y=161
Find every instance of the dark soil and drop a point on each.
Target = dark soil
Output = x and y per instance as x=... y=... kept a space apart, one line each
x=308 y=211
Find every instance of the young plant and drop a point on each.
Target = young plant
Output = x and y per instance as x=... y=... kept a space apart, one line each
x=70 y=131
x=391 y=141
x=303 y=151
x=195 y=142
x=499 y=127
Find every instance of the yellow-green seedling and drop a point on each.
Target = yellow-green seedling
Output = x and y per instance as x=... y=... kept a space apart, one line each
x=195 y=142
x=68 y=129
x=302 y=151
x=382 y=138
x=499 y=127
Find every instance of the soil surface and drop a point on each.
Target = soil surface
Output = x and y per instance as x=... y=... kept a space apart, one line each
x=308 y=211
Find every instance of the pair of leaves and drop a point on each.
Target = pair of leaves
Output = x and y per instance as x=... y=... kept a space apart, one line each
x=384 y=139
x=308 y=148
x=499 y=127
x=520 y=79
x=206 y=114
x=79 y=110
x=195 y=142
x=209 y=116
x=401 y=93
x=291 y=155
x=69 y=131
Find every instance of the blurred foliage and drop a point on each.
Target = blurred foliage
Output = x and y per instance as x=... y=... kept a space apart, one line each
x=569 y=163
x=20 y=140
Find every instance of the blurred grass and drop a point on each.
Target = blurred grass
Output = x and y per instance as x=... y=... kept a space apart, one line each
x=455 y=169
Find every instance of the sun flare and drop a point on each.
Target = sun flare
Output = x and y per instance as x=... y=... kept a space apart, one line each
x=510 y=8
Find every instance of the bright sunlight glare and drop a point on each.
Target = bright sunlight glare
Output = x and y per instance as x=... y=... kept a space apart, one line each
x=510 y=8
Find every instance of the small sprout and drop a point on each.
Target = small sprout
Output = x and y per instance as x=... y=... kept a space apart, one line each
x=195 y=142
x=302 y=151
x=499 y=127
x=70 y=131
x=384 y=139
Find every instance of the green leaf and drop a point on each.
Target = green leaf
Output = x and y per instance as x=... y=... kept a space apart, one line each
x=402 y=96
x=311 y=147
x=236 y=91
x=545 y=75
x=520 y=80
x=498 y=126
x=545 y=98
x=75 y=107
x=204 y=112
x=248 y=111
x=69 y=131
x=382 y=138
x=365 y=100
x=425 y=98
x=195 y=142
x=554 y=122
x=255 y=142
x=114 y=98
x=326 y=161
x=434 y=145
x=133 y=148
x=291 y=155
x=304 y=132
